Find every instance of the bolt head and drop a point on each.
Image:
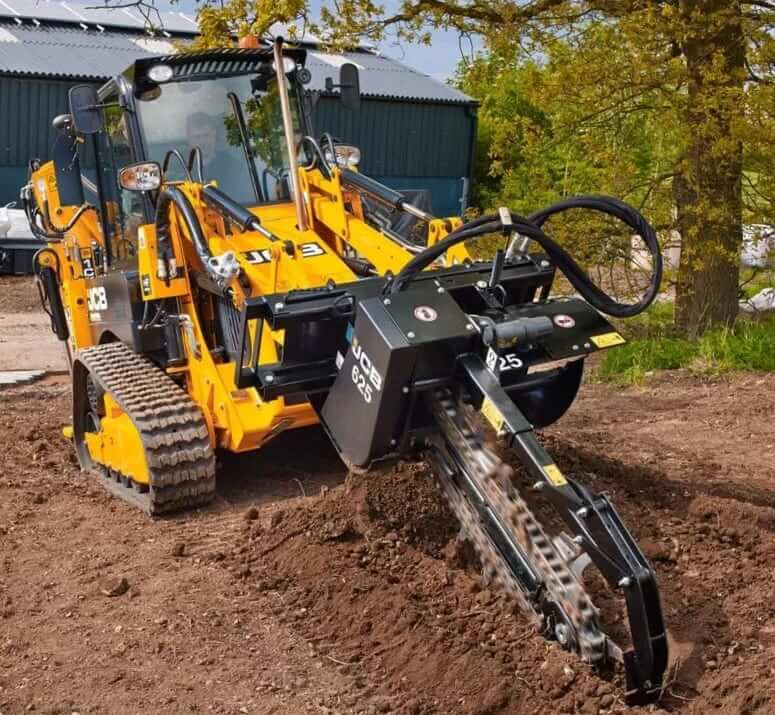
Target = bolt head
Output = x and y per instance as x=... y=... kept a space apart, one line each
x=279 y=306
x=387 y=301
x=405 y=390
x=410 y=334
x=561 y=633
x=393 y=443
x=583 y=512
x=481 y=284
x=269 y=377
x=469 y=326
x=538 y=486
x=440 y=290
x=578 y=539
x=626 y=582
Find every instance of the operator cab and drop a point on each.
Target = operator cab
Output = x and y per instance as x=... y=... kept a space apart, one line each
x=202 y=116
x=226 y=109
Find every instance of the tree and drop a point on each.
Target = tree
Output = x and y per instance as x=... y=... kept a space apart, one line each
x=542 y=141
x=710 y=61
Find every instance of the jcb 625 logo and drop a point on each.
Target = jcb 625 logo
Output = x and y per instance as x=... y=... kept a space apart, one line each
x=365 y=376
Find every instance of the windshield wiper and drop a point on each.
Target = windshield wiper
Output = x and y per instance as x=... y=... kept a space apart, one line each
x=236 y=107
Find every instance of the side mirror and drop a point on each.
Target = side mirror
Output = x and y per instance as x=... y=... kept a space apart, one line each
x=85 y=109
x=350 y=86
x=143 y=176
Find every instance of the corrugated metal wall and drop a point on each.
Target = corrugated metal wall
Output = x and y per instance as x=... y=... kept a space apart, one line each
x=408 y=144
x=27 y=107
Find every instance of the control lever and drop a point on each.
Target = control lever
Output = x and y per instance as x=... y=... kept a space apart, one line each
x=497 y=269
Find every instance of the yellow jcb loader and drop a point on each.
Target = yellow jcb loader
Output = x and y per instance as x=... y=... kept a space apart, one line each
x=225 y=274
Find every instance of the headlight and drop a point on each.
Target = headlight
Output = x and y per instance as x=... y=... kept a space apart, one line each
x=160 y=73
x=347 y=156
x=289 y=65
x=145 y=176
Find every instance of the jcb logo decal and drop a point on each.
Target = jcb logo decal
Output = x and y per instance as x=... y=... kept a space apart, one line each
x=264 y=255
x=311 y=249
x=364 y=372
x=97 y=299
x=258 y=257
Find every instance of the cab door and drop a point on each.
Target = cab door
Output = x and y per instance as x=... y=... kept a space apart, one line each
x=115 y=302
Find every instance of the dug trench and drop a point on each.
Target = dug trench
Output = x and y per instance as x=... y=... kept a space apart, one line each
x=306 y=590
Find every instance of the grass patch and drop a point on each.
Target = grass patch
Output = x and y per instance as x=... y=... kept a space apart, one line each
x=653 y=345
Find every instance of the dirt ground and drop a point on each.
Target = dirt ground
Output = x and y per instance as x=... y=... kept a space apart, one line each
x=302 y=590
x=26 y=339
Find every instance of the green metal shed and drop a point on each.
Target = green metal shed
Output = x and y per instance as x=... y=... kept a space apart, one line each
x=413 y=131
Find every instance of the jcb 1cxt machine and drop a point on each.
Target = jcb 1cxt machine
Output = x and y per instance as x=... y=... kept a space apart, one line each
x=224 y=275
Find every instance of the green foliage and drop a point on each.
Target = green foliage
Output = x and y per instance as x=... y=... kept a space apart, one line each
x=654 y=345
x=666 y=103
x=543 y=135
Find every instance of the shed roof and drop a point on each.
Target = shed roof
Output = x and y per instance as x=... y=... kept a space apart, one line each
x=68 y=40
x=63 y=11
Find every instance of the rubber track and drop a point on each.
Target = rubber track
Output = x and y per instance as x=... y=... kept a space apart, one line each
x=181 y=463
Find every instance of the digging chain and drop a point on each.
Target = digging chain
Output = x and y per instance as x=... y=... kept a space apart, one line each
x=181 y=463
x=494 y=479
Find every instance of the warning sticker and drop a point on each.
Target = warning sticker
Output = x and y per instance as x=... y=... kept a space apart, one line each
x=554 y=475
x=607 y=340
x=492 y=414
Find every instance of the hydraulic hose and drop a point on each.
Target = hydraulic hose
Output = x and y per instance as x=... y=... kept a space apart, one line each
x=172 y=195
x=531 y=227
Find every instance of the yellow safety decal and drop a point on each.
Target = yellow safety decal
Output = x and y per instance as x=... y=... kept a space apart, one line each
x=555 y=476
x=607 y=340
x=492 y=414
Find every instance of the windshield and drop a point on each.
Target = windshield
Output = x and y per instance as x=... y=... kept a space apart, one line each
x=217 y=115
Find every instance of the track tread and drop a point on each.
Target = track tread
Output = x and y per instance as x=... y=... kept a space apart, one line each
x=180 y=460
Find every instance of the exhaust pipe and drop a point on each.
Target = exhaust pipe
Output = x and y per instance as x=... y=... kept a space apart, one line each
x=285 y=106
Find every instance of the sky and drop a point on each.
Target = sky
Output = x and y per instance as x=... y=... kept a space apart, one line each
x=438 y=60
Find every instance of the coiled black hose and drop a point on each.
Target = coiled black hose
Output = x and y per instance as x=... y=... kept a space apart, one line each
x=531 y=227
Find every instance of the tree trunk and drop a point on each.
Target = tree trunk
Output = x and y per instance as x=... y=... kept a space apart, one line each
x=708 y=193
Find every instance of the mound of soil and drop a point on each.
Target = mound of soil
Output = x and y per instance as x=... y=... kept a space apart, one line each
x=302 y=591
x=373 y=576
